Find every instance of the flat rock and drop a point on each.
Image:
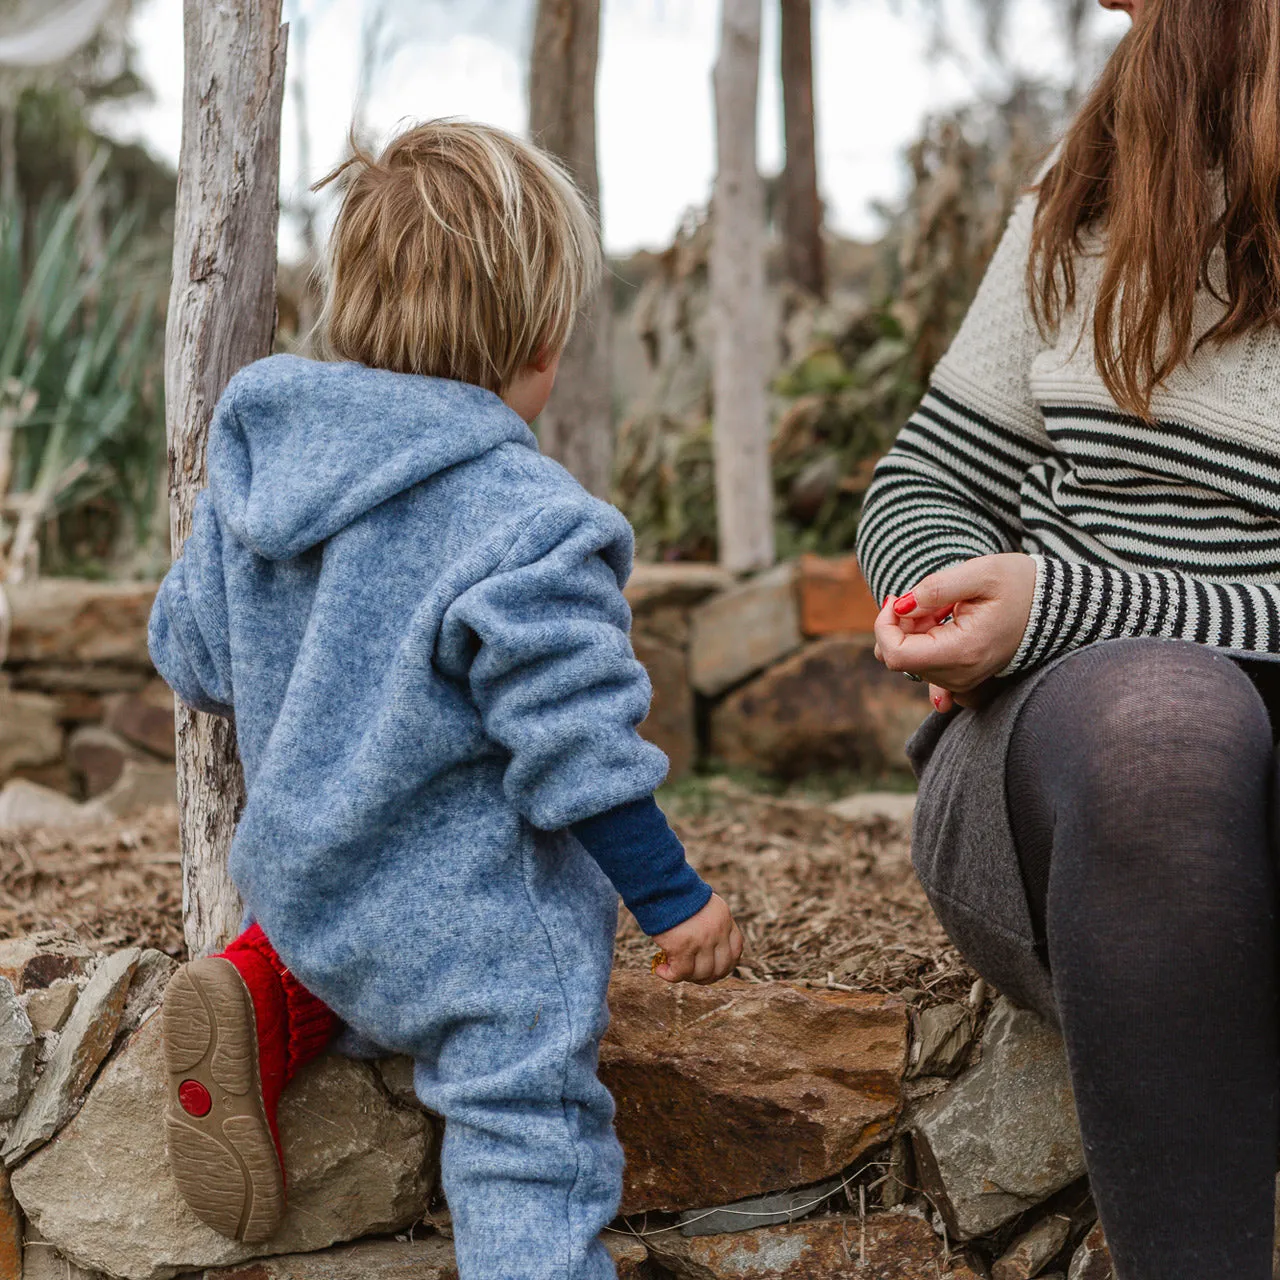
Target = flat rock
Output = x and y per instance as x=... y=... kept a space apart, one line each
x=834 y=597
x=630 y=1257
x=397 y=1075
x=883 y=1246
x=1092 y=1258
x=1033 y=1250
x=102 y=1192
x=146 y=990
x=759 y=1211
x=74 y=706
x=11 y=1260
x=28 y=804
x=657 y=586
x=670 y=722
x=41 y=1261
x=830 y=706
x=145 y=718
x=29 y=730
x=740 y=1089
x=941 y=1040
x=57 y=776
x=427 y=1259
x=742 y=630
x=17 y=1053
x=82 y=1046
x=98 y=757
x=91 y=678
x=876 y=806
x=62 y=620
x=1004 y=1137
x=41 y=959
x=50 y=1007
x=141 y=785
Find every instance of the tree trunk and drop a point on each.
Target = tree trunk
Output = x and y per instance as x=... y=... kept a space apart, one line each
x=576 y=428
x=744 y=486
x=803 y=253
x=222 y=308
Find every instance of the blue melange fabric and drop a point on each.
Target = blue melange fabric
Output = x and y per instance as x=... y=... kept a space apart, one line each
x=419 y=623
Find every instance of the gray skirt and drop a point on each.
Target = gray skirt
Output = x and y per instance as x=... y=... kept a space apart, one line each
x=962 y=843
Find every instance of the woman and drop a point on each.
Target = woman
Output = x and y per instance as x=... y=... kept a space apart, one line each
x=1078 y=541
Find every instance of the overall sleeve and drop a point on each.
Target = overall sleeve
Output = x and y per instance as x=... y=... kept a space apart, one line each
x=558 y=686
x=949 y=489
x=188 y=635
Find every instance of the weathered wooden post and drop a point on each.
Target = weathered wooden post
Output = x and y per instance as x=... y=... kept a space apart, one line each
x=744 y=484
x=576 y=428
x=804 y=255
x=222 y=309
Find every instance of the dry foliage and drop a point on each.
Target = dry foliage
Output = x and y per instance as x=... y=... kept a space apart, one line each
x=819 y=899
x=113 y=885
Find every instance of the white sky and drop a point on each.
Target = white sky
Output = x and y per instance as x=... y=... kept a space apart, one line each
x=874 y=85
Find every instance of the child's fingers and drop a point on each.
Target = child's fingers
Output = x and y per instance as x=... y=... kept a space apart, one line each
x=678 y=967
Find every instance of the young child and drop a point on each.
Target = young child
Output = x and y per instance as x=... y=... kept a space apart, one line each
x=418 y=624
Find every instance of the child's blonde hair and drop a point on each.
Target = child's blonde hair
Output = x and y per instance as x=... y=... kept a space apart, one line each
x=459 y=252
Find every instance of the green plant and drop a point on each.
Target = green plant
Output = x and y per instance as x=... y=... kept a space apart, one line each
x=81 y=418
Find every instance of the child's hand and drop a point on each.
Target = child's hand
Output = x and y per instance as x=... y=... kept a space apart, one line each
x=703 y=949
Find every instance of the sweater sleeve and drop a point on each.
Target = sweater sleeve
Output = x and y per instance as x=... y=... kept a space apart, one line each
x=1078 y=603
x=949 y=489
x=188 y=635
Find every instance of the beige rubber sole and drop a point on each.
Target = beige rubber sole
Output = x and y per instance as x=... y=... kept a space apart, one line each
x=224 y=1160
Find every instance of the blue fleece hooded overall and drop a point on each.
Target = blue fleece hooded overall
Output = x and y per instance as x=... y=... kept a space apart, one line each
x=419 y=624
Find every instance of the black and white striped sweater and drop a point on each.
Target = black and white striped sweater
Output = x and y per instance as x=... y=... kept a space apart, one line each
x=1169 y=529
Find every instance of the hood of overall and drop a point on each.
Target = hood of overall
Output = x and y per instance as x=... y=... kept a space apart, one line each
x=299 y=448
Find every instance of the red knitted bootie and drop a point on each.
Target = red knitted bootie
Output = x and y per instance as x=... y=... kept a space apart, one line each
x=237 y=1027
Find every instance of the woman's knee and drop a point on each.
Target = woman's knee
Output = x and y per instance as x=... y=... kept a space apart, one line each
x=1149 y=761
x=1152 y=710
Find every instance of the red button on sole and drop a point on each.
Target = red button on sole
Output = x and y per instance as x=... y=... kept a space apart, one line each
x=194 y=1098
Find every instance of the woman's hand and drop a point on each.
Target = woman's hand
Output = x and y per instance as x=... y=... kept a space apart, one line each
x=989 y=601
x=703 y=949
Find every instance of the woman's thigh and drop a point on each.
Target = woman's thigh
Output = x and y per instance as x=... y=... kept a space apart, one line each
x=1125 y=695
x=1140 y=752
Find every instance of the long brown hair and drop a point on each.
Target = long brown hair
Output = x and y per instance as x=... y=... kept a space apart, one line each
x=1175 y=155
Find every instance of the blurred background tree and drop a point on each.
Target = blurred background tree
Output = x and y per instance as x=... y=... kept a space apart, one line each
x=856 y=328
x=852 y=327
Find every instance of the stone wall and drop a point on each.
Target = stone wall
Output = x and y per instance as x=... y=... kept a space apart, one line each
x=774 y=674
x=83 y=715
x=773 y=1131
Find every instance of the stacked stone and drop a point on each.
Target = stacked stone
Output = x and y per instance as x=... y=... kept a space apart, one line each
x=775 y=673
x=773 y=1131
x=82 y=713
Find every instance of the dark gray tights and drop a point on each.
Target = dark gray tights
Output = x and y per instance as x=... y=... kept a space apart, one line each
x=1139 y=784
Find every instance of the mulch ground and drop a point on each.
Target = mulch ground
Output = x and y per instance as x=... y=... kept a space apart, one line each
x=820 y=899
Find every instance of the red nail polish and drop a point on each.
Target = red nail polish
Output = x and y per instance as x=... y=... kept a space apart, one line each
x=937 y=702
x=906 y=604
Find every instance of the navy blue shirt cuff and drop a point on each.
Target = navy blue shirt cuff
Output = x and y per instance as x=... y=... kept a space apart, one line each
x=643 y=857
